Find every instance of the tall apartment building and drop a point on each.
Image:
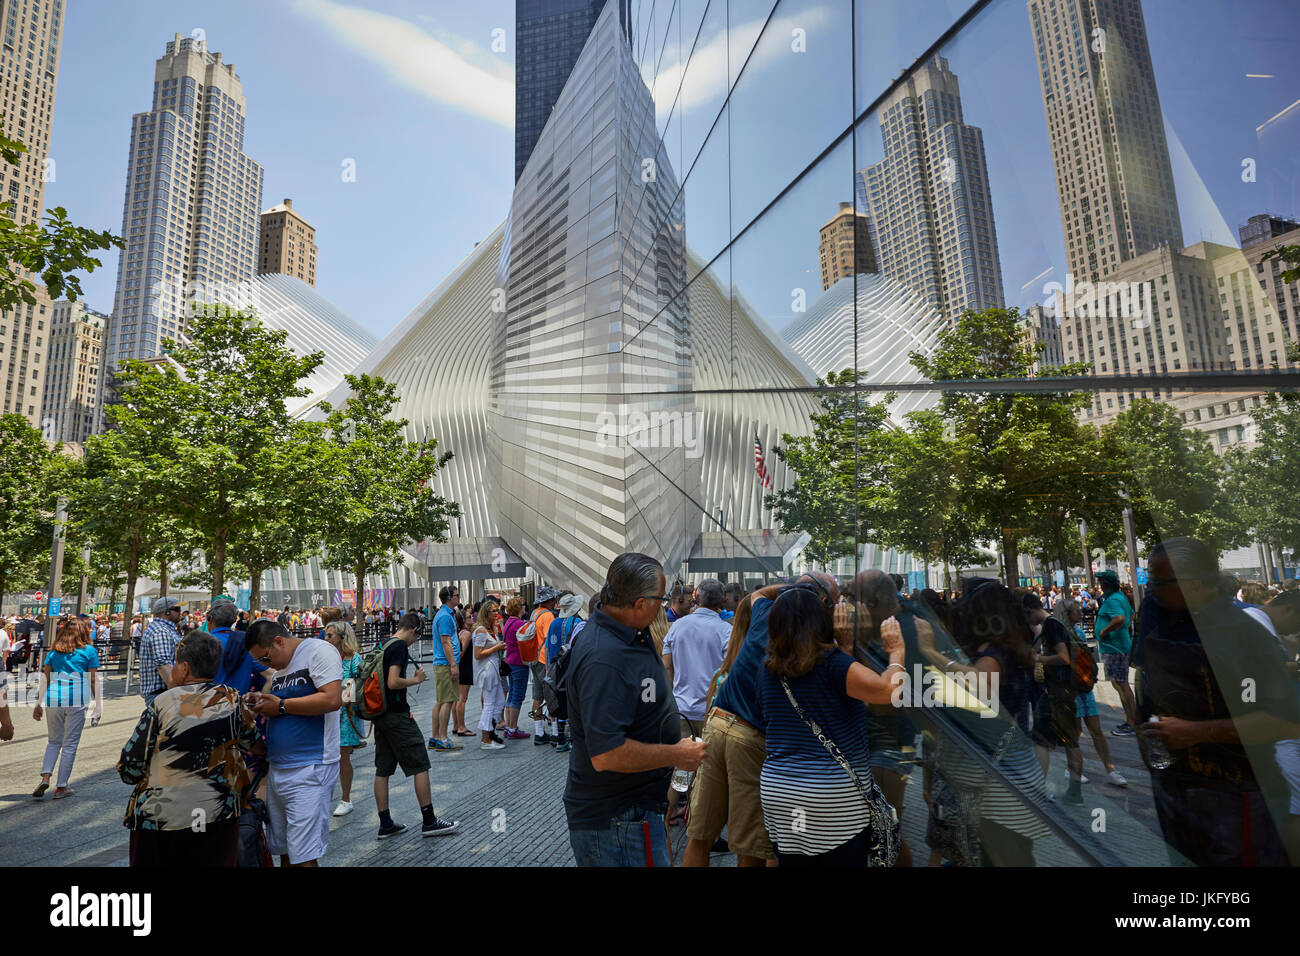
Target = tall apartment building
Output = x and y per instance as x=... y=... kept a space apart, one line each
x=1113 y=178
x=190 y=216
x=72 y=376
x=1041 y=328
x=286 y=244
x=29 y=71
x=549 y=35
x=929 y=199
x=844 y=248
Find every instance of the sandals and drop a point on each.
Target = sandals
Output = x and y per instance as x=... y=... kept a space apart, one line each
x=465 y=733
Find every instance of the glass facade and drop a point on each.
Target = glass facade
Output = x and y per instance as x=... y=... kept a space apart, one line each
x=1055 y=337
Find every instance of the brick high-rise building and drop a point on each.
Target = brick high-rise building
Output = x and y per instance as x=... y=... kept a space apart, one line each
x=29 y=71
x=72 y=377
x=190 y=216
x=929 y=199
x=1113 y=177
x=286 y=244
x=844 y=248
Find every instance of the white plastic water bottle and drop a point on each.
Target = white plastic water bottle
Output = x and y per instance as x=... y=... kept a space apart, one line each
x=682 y=778
x=1157 y=753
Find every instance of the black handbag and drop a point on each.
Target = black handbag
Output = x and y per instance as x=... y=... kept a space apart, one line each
x=884 y=840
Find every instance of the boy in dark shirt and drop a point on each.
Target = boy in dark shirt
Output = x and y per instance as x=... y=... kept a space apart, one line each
x=398 y=740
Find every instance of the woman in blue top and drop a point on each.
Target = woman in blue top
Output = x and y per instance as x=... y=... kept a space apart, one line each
x=344 y=639
x=69 y=673
x=814 y=812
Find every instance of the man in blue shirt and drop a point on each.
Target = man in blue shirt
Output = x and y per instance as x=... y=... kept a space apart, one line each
x=1115 y=643
x=727 y=785
x=446 y=669
x=237 y=666
x=157 y=647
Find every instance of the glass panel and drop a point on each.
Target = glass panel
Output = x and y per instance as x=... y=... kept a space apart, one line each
x=704 y=86
x=890 y=34
x=745 y=22
x=705 y=209
x=780 y=286
x=801 y=72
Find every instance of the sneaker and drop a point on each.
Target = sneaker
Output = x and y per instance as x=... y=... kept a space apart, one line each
x=1117 y=778
x=1123 y=730
x=492 y=746
x=497 y=740
x=439 y=827
x=1083 y=778
x=61 y=792
x=391 y=830
x=343 y=809
x=434 y=742
x=447 y=747
x=516 y=735
x=542 y=740
x=563 y=748
x=41 y=788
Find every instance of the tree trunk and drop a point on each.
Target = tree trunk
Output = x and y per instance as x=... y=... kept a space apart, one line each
x=359 y=601
x=132 y=571
x=219 y=564
x=1010 y=562
x=163 y=582
x=255 y=591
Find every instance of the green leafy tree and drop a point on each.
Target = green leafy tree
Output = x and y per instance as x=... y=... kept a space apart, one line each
x=380 y=497
x=219 y=412
x=1017 y=446
x=53 y=252
x=925 y=514
x=1263 y=480
x=837 y=496
x=30 y=480
x=1175 y=481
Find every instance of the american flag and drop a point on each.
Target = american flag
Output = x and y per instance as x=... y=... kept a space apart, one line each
x=760 y=464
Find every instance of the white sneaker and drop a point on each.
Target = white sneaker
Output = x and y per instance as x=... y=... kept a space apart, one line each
x=1117 y=778
x=343 y=809
x=492 y=746
x=1082 y=778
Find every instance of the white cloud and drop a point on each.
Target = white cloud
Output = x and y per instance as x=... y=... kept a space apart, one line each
x=466 y=77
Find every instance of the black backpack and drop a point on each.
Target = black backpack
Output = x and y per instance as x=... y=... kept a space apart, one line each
x=555 y=692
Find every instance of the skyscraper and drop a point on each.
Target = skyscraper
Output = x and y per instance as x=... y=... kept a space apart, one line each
x=72 y=376
x=549 y=35
x=844 y=247
x=190 y=217
x=286 y=244
x=1113 y=177
x=929 y=198
x=29 y=71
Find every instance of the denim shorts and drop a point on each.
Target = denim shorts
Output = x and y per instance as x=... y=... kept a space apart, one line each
x=1085 y=705
x=625 y=842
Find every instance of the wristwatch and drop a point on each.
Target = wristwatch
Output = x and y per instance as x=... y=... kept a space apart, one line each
x=282 y=711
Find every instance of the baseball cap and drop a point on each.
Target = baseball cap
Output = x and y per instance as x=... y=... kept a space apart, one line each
x=164 y=604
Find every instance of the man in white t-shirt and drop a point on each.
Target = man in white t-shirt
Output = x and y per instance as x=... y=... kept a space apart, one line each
x=302 y=738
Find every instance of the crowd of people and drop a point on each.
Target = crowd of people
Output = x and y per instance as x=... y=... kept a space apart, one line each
x=773 y=715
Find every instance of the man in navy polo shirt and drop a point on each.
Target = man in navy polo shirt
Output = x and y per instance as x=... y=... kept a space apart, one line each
x=624 y=725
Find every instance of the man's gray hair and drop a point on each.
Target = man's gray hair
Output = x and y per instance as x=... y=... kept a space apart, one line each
x=631 y=576
x=202 y=652
x=223 y=614
x=709 y=593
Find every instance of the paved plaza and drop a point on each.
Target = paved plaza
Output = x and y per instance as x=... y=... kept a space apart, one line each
x=508 y=802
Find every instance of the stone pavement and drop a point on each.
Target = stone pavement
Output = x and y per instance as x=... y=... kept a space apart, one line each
x=509 y=802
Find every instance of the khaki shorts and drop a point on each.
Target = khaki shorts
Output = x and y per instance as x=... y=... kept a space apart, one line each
x=727 y=789
x=447 y=690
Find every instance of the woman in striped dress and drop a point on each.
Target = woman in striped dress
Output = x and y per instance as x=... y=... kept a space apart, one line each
x=814 y=811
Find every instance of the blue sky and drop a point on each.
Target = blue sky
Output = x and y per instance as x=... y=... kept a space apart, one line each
x=414 y=93
x=410 y=89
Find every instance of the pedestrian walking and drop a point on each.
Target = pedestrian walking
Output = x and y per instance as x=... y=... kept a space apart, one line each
x=70 y=692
